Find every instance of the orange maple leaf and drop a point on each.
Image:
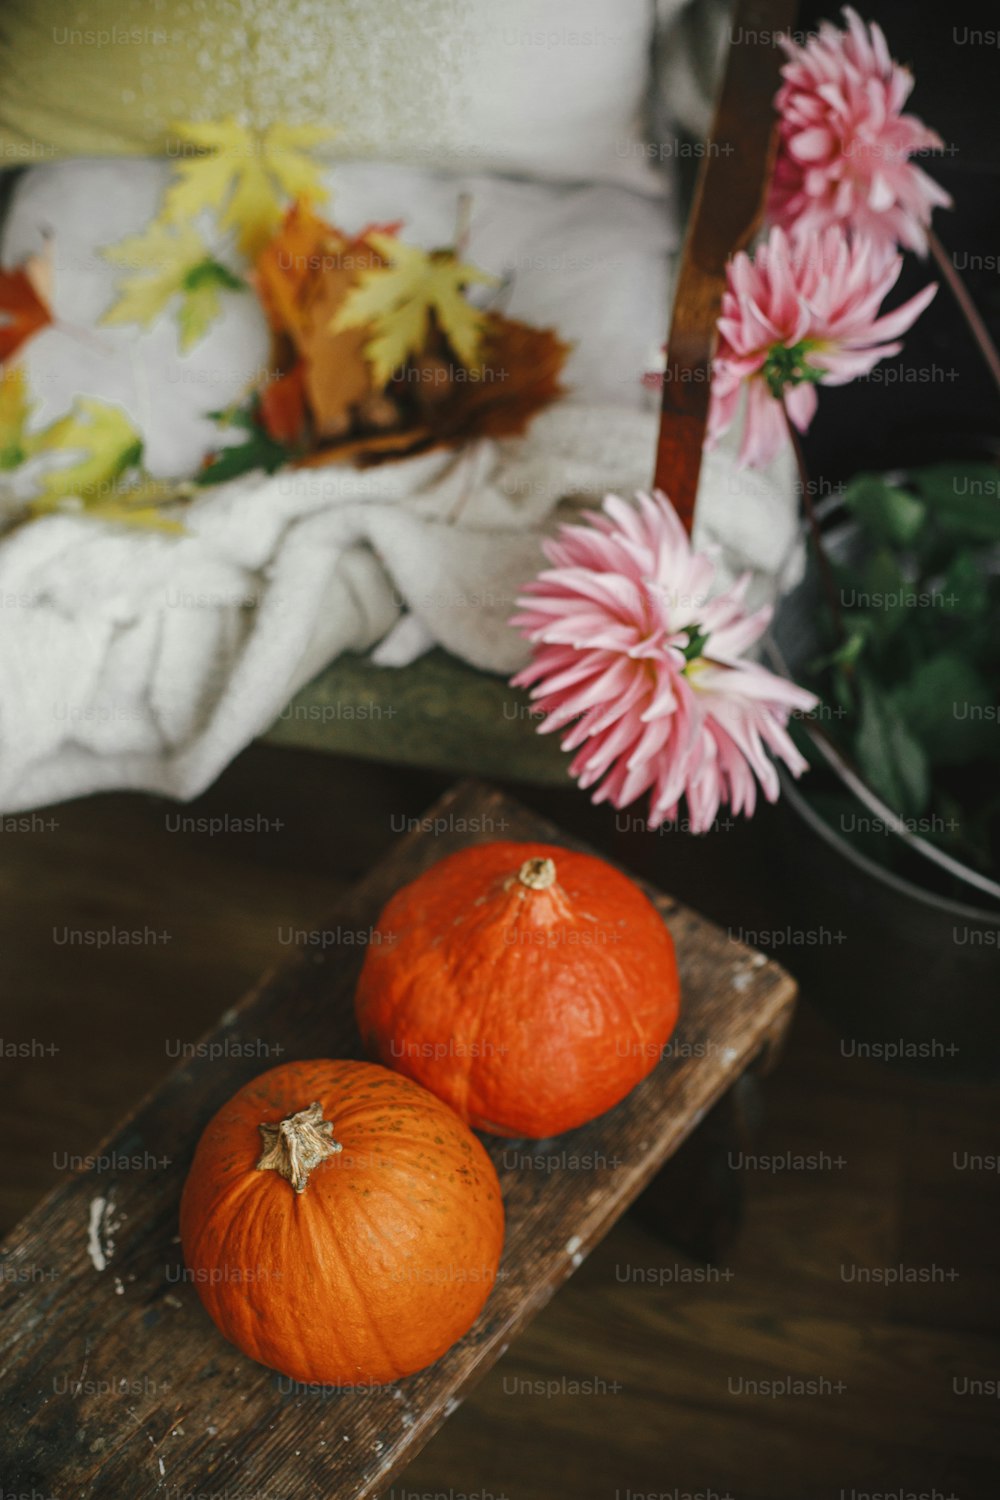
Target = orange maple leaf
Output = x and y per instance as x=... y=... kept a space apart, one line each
x=302 y=276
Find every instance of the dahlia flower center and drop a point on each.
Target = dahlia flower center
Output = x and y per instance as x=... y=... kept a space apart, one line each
x=697 y=641
x=786 y=365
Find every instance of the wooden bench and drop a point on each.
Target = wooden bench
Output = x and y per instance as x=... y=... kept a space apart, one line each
x=114 y=1380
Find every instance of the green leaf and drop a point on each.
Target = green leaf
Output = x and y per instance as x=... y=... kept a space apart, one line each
x=889 y=757
x=212 y=273
x=235 y=416
x=258 y=452
x=848 y=651
x=950 y=708
x=887 y=594
x=201 y=303
x=962 y=499
x=964 y=589
x=890 y=515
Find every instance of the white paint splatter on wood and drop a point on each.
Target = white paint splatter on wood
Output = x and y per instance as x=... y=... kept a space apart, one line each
x=94 y=1247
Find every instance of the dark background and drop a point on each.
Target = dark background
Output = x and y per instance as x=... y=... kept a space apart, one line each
x=867 y=426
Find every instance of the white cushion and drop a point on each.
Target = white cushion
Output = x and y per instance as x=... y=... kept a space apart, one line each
x=553 y=90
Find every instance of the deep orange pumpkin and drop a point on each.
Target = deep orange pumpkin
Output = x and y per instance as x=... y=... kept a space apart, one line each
x=529 y=986
x=340 y=1223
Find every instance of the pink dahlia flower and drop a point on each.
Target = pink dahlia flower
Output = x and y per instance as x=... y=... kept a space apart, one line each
x=634 y=652
x=797 y=316
x=844 y=145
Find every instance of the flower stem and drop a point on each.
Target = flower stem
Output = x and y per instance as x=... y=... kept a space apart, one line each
x=822 y=561
x=970 y=312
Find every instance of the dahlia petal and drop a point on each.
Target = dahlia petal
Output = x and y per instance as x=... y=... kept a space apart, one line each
x=764 y=432
x=801 y=402
x=880 y=193
x=812 y=145
x=844 y=144
x=897 y=322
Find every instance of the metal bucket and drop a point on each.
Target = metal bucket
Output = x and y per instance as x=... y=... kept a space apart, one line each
x=906 y=973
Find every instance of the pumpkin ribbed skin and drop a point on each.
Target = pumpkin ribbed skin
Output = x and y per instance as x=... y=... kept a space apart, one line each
x=531 y=1002
x=385 y=1257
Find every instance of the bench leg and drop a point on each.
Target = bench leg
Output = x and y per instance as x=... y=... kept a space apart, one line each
x=696 y=1201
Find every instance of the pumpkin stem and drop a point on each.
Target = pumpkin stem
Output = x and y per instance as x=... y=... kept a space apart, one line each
x=537 y=874
x=293 y=1147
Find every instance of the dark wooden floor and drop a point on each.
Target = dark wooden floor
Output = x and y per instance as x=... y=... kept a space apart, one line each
x=668 y=1353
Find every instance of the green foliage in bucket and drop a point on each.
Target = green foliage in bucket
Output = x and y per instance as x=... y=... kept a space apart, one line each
x=910 y=693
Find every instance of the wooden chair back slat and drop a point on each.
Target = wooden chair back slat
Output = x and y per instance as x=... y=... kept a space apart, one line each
x=728 y=208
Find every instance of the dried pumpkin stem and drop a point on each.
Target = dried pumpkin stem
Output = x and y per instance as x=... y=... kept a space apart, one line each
x=537 y=874
x=293 y=1147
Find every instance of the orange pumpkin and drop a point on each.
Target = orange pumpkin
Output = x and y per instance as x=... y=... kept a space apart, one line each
x=529 y=986
x=340 y=1223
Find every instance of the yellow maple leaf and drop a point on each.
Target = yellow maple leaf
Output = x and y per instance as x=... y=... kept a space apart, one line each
x=15 y=408
x=396 y=299
x=138 y=504
x=238 y=172
x=105 y=445
x=284 y=149
x=168 y=263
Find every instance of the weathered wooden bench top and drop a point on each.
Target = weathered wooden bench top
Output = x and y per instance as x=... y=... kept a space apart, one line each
x=114 y=1381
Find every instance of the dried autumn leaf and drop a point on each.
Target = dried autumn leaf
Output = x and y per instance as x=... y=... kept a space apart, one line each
x=396 y=300
x=23 y=311
x=519 y=376
x=370 y=449
x=40 y=270
x=326 y=394
x=200 y=302
x=140 y=504
x=242 y=173
x=148 y=517
x=105 y=444
x=170 y=263
x=303 y=248
x=15 y=408
x=337 y=375
x=303 y=276
x=283 y=412
x=289 y=261
x=284 y=148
